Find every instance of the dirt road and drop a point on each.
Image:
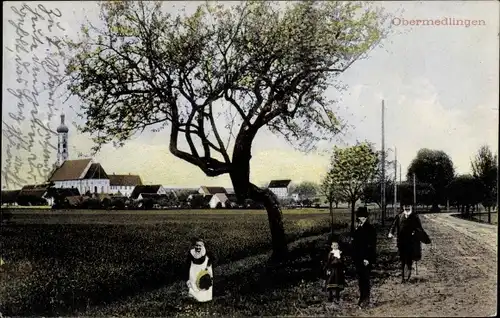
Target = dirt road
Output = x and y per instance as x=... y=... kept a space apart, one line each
x=456 y=277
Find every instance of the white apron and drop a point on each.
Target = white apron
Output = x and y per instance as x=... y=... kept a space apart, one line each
x=194 y=270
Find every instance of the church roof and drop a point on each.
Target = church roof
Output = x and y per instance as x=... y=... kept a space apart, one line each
x=96 y=171
x=70 y=170
x=124 y=180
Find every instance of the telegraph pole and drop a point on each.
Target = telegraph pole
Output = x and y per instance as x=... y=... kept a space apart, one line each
x=395 y=180
x=383 y=167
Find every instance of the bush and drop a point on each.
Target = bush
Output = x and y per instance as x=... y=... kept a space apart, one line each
x=147 y=204
x=117 y=203
x=106 y=203
x=90 y=203
x=218 y=205
x=30 y=200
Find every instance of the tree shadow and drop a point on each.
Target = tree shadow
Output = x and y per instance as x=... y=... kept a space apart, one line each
x=417 y=280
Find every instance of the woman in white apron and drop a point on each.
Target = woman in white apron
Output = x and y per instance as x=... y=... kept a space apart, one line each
x=200 y=279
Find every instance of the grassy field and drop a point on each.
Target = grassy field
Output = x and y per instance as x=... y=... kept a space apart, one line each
x=483 y=217
x=64 y=262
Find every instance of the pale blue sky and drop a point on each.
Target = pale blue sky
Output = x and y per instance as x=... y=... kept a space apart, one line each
x=439 y=83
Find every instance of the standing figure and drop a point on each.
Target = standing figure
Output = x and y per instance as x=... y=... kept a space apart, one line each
x=409 y=232
x=199 y=272
x=364 y=247
x=335 y=275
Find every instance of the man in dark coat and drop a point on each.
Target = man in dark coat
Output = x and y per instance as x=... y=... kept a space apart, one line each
x=409 y=232
x=364 y=253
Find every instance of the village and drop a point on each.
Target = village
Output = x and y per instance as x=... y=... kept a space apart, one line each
x=128 y=192
x=84 y=184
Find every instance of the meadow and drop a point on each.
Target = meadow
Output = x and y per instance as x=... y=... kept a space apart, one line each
x=64 y=262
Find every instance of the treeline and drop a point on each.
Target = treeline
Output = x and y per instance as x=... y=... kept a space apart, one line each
x=437 y=184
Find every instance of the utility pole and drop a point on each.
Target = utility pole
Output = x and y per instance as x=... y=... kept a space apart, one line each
x=414 y=193
x=383 y=167
x=395 y=180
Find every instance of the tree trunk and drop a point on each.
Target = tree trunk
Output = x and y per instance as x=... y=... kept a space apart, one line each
x=240 y=177
x=489 y=214
x=331 y=216
x=353 y=203
x=336 y=204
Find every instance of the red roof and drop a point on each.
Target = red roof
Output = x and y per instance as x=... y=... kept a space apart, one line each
x=70 y=170
x=124 y=180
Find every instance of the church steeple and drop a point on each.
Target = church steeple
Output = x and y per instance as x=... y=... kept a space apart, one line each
x=62 y=142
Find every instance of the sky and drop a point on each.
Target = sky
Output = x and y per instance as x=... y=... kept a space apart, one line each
x=439 y=85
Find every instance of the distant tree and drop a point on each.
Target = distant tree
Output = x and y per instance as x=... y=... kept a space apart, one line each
x=485 y=170
x=285 y=202
x=118 y=203
x=106 y=203
x=168 y=200
x=307 y=202
x=351 y=169
x=372 y=193
x=306 y=190
x=198 y=202
x=148 y=203
x=145 y=68
x=182 y=195
x=435 y=168
x=332 y=194
x=425 y=193
x=465 y=191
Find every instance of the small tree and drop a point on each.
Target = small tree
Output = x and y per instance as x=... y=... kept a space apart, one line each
x=332 y=193
x=372 y=193
x=485 y=170
x=351 y=169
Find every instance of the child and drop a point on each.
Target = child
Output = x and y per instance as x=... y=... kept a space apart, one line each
x=334 y=268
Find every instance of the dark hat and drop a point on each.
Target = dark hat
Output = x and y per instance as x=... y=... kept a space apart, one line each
x=205 y=282
x=362 y=212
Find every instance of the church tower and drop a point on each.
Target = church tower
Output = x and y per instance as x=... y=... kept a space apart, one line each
x=62 y=142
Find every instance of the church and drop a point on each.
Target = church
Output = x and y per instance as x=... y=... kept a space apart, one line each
x=85 y=174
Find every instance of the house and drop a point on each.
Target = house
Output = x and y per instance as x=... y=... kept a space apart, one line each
x=280 y=188
x=10 y=197
x=211 y=190
x=34 y=195
x=225 y=200
x=123 y=183
x=151 y=189
x=81 y=174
